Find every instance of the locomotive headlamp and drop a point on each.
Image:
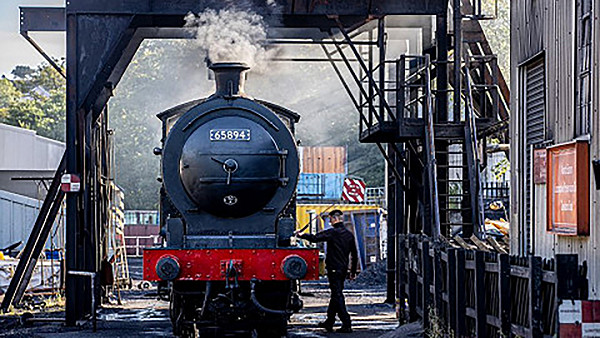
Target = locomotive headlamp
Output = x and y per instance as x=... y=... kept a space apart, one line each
x=294 y=267
x=167 y=268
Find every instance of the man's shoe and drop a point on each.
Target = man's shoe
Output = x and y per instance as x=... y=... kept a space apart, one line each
x=325 y=325
x=344 y=329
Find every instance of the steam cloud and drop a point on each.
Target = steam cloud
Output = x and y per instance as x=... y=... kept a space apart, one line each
x=231 y=35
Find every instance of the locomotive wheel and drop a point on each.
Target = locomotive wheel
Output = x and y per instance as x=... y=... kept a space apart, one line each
x=176 y=312
x=189 y=331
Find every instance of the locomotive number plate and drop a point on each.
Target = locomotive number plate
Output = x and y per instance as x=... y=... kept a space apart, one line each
x=230 y=134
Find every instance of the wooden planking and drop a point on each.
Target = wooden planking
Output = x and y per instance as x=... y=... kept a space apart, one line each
x=548 y=25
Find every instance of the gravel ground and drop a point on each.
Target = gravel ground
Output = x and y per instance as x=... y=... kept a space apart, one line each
x=141 y=315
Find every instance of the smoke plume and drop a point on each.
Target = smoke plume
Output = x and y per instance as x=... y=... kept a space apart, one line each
x=231 y=35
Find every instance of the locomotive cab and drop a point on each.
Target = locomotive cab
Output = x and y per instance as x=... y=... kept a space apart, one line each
x=229 y=172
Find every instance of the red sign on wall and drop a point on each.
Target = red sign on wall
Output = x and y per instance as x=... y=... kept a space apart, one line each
x=539 y=166
x=568 y=189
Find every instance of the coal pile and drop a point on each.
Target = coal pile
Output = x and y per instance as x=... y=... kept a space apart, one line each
x=373 y=276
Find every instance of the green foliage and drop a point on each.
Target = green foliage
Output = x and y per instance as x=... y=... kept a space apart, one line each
x=34 y=99
x=497 y=32
x=501 y=168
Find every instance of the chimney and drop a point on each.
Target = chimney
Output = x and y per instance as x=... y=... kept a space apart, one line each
x=230 y=77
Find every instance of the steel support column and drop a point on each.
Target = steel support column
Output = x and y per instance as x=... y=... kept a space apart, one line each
x=441 y=116
x=73 y=287
x=394 y=219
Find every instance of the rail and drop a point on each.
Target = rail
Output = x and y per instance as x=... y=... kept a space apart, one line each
x=471 y=293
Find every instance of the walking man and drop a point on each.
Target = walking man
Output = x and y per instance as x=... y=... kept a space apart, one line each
x=340 y=244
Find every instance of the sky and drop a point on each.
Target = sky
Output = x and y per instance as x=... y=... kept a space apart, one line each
x=14 y=49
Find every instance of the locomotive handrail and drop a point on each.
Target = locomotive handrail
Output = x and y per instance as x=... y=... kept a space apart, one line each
x=192 y=122
x=240 y=179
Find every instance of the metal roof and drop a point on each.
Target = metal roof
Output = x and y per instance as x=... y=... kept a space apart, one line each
x=23 y=149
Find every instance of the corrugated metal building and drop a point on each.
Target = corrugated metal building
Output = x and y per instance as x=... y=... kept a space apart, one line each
x=17 y=216
x=555 y=56
x=23 y=153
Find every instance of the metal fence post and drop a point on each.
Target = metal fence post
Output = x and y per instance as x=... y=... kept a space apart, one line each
x=412 y=280
x=437 y=283
x=427 y=277
x=480 y=294
x=402 y=277
x=535 y=290
x=504 y=292
x=451 y=289
x=460 y=294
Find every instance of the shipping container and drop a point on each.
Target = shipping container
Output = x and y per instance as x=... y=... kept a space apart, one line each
x=323 y=160
x=367 y=232
x=306 y=213
x=362 y=220
x=320 y=187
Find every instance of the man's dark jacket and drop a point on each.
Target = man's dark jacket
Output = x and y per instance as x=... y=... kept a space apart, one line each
x=340 y=243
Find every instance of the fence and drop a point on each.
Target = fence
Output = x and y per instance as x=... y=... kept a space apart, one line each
x=466 y=293
x=135 y=244
x=493 y=192
x=376 y=196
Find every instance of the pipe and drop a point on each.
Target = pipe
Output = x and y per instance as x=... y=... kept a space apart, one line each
x=259 y=305
x=229 y=78
x=205 y=301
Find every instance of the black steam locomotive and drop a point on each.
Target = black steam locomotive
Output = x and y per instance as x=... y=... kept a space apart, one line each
x=229 y=172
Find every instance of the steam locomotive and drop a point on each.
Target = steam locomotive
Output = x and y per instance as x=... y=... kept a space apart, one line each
x=229 y=172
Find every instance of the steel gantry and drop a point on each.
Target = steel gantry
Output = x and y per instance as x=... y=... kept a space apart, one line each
x=102 y=38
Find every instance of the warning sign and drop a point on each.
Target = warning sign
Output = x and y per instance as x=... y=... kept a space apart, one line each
x=354 y=190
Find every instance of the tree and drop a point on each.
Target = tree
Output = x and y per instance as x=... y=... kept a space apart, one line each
x=34 y=99
x=497 y=32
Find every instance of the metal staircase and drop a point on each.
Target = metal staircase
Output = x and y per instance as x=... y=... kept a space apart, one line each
x=433 y=155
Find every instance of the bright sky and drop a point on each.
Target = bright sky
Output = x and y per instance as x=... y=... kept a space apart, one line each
x=14 y=49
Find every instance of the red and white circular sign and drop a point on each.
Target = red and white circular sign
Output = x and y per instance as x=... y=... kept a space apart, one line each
x=354 y=190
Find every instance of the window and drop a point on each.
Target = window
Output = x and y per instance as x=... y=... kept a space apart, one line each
x=583 y=85
x=533 y=106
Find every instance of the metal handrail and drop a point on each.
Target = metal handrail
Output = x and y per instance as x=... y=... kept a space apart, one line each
x=137 y=245
x=473 y=161
x=430 y=150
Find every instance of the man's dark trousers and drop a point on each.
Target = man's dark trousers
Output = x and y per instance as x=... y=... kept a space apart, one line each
x=337 y=303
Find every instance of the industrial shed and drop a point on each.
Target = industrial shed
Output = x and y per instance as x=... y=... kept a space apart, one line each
x=26 y=155
x=555 y=202
x=26 y=160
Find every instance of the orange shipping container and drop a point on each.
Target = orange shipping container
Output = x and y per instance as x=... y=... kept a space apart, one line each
x=323 y=160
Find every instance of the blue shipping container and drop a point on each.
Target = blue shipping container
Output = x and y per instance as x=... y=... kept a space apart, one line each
x=320 y=186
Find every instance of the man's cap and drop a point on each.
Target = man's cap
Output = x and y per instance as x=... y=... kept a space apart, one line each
x=335 y=213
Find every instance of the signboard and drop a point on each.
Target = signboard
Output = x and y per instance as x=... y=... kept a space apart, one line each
x=70 y=183
x=568 y=189
x=539 y=166
x=354 y=190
